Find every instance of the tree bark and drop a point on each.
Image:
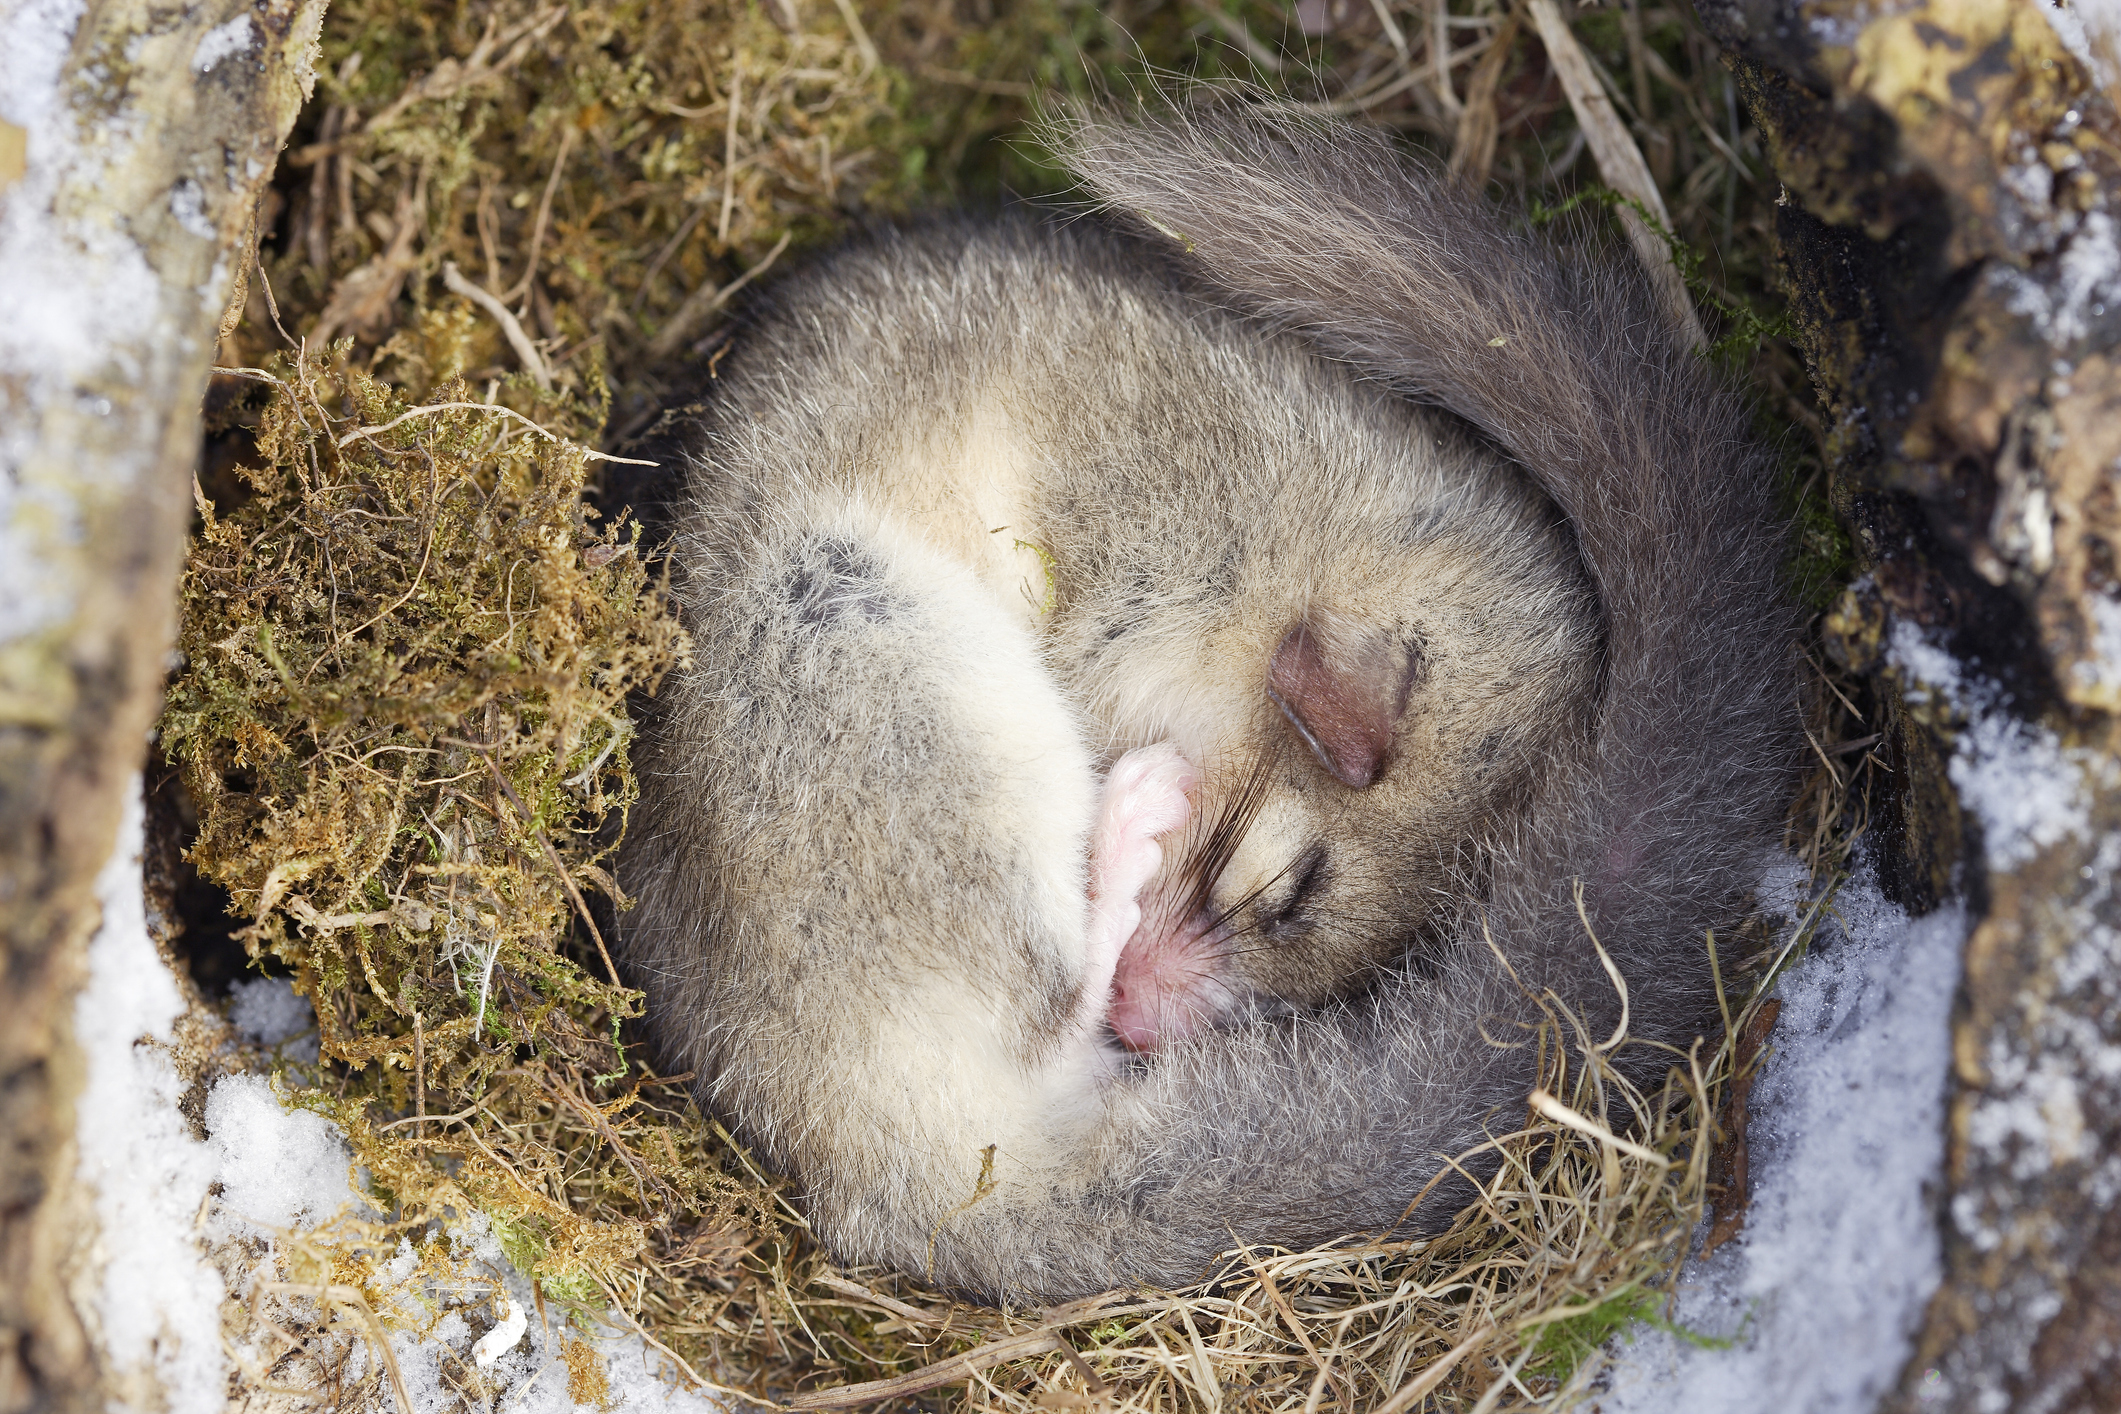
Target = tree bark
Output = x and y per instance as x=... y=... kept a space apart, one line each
x=1948 y=236
x=128 y=199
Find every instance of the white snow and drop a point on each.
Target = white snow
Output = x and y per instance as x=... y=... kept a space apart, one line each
x=2091 y=30
x=235 y=37
x=2017 y=778
x=2024 y=786
x=77 y=296
x=525 y=1364
x=271 y=1013
x=2088 y=284
x=2101 y=667
x=188 y=204
x=159 y=1302
x=2030 y=1110
x=38 y=33
x=1821 y=1292
x=2090 y=276
x=279 y=1168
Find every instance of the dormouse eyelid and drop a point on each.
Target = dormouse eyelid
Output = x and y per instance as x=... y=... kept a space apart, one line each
x=1309 y=871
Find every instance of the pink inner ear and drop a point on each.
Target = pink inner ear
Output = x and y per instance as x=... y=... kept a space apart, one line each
x=1346 y=712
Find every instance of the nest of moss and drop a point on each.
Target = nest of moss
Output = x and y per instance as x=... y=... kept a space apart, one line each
x=504 y=234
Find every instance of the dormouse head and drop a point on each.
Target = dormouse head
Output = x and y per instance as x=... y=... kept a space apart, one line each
x=1334 y=838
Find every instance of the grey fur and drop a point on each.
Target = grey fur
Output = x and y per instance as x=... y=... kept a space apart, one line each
x=859 y=861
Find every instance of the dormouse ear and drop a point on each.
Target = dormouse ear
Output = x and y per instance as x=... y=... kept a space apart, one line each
x=1344 y=696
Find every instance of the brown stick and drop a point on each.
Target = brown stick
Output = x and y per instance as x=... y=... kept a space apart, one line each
x=1619 y=162
x=537 y=228
x=704 y=301
x=942 y=1372
x=1473 y=147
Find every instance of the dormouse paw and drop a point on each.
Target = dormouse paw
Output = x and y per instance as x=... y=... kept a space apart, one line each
x=1147 y=795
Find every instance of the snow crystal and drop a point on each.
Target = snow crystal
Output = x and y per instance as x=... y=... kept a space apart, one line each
x=2025 y=787
x=2090 y=275
x=188 y=204
x=2091 y=30
x=1821 y=1292
x=1928 y=671
x=235 y=37
x=158 y=1304
x=39 y=33
x=268 y=1011
x=279 y=1168
x=2088 y=280
x=2031 y=182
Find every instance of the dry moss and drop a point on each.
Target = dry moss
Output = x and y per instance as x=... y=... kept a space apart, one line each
x=403 y=707
x=402 y=718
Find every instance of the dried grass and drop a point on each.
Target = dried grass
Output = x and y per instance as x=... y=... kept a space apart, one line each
x=402 y=712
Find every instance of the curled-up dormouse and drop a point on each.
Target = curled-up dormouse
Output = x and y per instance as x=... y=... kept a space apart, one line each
x=1162 y=687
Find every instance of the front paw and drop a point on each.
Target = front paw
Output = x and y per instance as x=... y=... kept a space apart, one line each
x=1148 y=795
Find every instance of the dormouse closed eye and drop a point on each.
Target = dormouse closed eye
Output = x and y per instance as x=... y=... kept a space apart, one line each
x=1289 y=908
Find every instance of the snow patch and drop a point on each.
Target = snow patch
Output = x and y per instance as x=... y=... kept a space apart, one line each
x=521 y=1357
x=1835 y=31
x=2090 y=276
x=2026 y=788
x=155 y=1297
x=2030 y=1114
x=1929 y=673
x=2032 y=183
x=39 y=34
x=159 y=1302
x=2091 y=30
x=2101 y=667
x=2087 y=284
x=1822 y=1291
x=76 y=296
x=269 y=1012
x=188 y=204
x=238 y=36
x=280 y=1168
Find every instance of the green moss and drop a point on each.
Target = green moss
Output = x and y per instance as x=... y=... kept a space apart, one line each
x=401 y=716
x=1562 y=1346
